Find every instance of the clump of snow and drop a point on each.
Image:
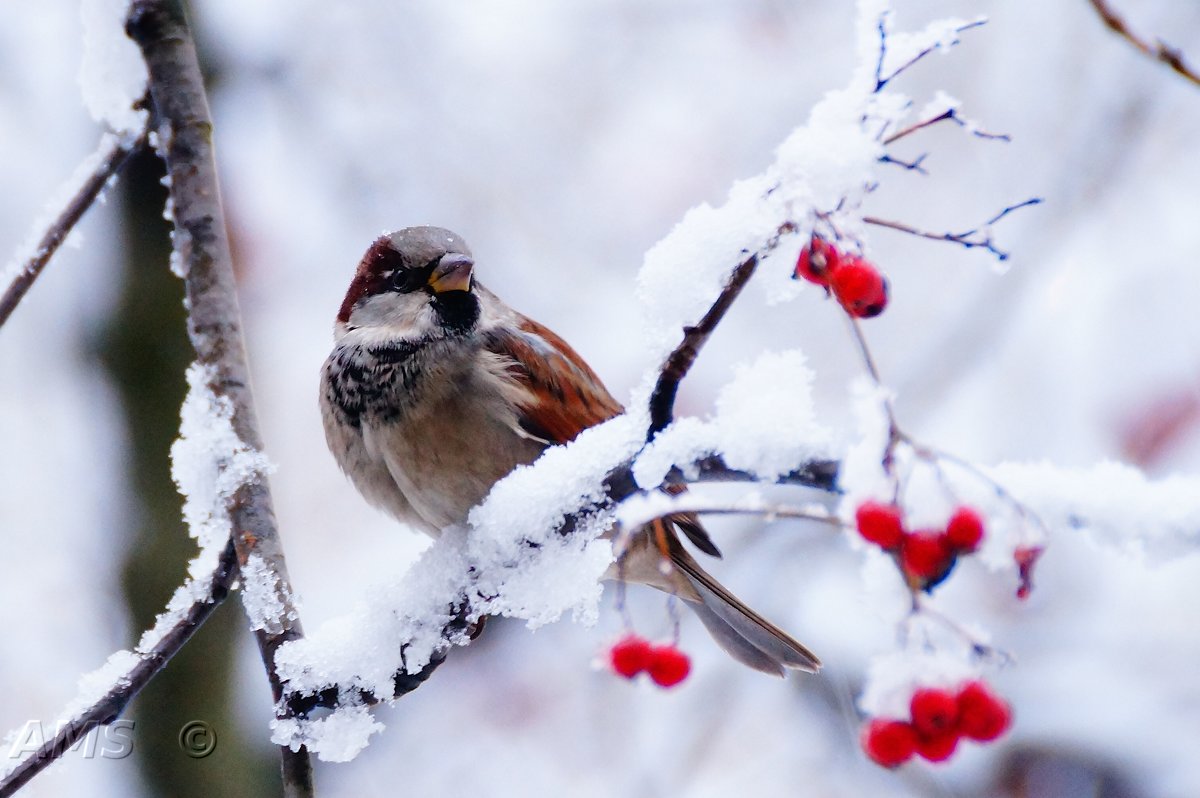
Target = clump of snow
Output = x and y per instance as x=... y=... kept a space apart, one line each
x=510 y=561
x=765 y=424
x=822 y=165
x=893 y=677
x=261 y=597
x=1115 y=503
x=684 y=272
x=210 y=463
x=337 y=737
x=112 y=74
x=765 y=417
x=522 y=515
x=940 y=35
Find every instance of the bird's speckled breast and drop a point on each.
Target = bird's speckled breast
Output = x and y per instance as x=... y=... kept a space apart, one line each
x=424 y=431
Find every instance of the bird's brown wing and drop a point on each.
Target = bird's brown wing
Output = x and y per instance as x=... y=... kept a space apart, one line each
x=568 y=397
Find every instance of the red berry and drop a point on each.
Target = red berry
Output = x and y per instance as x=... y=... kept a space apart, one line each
x=860 y=288
x=926 y=558
x=964 y=531
x=937 y=748
x=668 y=665
x=982 y=715
x=1026 y=557
x=890 y=743
x=934 y=711
x=630 y=655
x=817 y=261
x=880 y=524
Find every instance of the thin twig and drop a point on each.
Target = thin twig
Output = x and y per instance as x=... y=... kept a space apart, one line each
x=977 y=237
x=895 y=435
x=631 y=516
x=679 y=362
x=923 y=609
x=113 y=156
x=109 y=707
x=880 y=80
x=1159 y=50
x=1024 y=512
x=915 y=165
x=949 y=115
x=160 y=29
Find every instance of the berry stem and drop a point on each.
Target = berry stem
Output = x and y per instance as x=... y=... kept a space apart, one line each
x=984 y=651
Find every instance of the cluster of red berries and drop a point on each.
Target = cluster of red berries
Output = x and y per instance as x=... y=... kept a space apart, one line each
x=938 y=719
x=855 y=282
x=927 y=556
x=666 y=664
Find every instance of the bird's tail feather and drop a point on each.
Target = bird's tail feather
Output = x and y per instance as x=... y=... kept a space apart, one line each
x=743 y=633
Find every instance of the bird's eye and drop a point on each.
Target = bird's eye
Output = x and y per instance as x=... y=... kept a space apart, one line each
x=406 y=280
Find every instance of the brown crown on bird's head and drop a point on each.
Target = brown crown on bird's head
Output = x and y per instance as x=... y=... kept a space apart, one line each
x=430 y=260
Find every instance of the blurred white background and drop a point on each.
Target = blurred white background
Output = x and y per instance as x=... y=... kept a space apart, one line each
x=563 y=140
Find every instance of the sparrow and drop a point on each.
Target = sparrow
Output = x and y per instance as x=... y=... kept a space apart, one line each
x=436 y=389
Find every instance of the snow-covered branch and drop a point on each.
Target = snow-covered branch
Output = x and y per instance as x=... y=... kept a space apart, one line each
x=203 y=259
x=105 y=693
x=100 y=169
x=453 y=618
x=679 y=362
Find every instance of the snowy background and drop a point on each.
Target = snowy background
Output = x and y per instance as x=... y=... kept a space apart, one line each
x=562 y=142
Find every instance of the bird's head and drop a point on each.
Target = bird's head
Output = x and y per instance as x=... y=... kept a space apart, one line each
x=419 y=279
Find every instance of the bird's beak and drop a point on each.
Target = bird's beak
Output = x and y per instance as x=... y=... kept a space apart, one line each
x=453 y=273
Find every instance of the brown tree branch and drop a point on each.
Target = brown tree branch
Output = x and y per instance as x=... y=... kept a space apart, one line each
x=109 y=707
x=949 y=115
x=1159 y=50
x=114 y=154
x=160 y=29
x=679 y=362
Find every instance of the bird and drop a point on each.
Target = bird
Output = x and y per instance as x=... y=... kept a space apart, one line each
x=436 y=389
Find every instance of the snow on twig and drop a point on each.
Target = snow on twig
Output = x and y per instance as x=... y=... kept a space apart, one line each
x=679 y=362
x=910 y=49
x=105 y=693
x=91 y=179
